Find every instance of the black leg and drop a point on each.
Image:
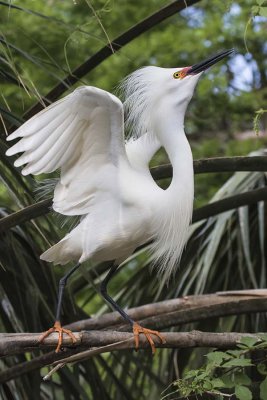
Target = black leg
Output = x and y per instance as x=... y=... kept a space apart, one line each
x=137 y=329
x=57 y=325
x=61 y=287
x=103 y=290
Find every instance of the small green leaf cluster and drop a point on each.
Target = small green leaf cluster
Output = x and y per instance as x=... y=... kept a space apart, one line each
x=259 y=9
x=224 y=374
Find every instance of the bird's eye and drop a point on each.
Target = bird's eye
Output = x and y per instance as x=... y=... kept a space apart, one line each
x=180 y=74
x=177 y=75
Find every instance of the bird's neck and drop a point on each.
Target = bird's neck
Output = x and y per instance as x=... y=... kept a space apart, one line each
x=170 y=132
x=174 y=208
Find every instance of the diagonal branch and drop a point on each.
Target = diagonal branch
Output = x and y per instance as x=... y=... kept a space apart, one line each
x=230 y=203
x=26 y=214
x=174 y=312
x=107 y=51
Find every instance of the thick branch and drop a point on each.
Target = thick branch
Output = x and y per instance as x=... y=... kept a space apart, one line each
x=107 y=51
x=17 y=342
x=170 y=312
x=233 y=164
x=125 y=341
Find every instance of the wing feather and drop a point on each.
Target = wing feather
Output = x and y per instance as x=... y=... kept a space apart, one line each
x=26 y=143
x=38 y=121
x=48 y=156
x=42 y=147
x=82 y=134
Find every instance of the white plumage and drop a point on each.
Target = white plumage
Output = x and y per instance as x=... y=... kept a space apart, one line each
x=107 y=181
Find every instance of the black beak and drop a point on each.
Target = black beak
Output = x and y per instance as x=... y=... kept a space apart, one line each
x=202 y=66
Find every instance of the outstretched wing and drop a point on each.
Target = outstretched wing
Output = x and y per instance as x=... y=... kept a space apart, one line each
x=82 y=134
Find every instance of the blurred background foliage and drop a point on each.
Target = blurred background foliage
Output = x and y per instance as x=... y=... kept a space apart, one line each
x=40 y=43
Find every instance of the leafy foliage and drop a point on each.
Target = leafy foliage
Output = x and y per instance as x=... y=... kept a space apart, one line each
x=226 y=373
x=259 y=9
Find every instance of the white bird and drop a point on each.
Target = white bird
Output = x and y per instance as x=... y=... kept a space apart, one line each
x=106 y=181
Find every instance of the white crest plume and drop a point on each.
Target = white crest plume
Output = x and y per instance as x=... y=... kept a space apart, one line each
x=139 y=90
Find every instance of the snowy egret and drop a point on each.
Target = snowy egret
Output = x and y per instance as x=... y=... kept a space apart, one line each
x=106 y=181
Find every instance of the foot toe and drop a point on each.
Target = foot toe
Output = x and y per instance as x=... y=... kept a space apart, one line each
x=58 y=328
x=138 y=329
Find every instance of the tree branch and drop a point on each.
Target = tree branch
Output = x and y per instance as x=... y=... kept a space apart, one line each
x=13 y=343
x=107 y=51
x=230 y=203
x=159 y=315
x=35 y=364
x=25 y=214
x=233 y=164
x=174 y=312
x=111 y=341
x=216 y=164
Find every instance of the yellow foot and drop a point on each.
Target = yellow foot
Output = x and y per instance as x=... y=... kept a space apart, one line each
x=58 y=328
x=137 y=329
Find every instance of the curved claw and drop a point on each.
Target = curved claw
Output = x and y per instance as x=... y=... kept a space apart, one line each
x=138 y=329
x=58 y=328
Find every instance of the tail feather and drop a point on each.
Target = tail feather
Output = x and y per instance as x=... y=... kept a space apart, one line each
x=60 y=253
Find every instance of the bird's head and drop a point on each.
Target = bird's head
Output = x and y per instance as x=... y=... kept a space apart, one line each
x=153 y=91
x=186 y=78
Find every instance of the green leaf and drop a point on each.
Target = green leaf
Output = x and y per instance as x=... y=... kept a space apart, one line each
x=191 y=374
x=217 y=383
x=235 y=353
x=241 y=379
x=227 y=381
x=207 y=385
x=255 y=10
x=243 y=393
x=263 y=389
x=237 y=362
x=202 y=375
x=249 y=341
x=263 y=11
x=260 y=2
x=217 y=357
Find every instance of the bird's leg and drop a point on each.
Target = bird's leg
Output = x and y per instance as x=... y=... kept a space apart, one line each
x=137 y=329
x=57 y=325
